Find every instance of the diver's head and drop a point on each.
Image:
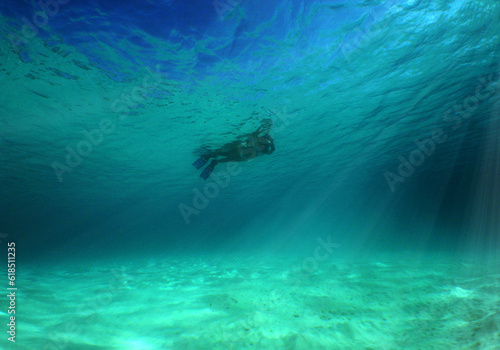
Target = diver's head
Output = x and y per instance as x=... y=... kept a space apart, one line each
x=267 y=144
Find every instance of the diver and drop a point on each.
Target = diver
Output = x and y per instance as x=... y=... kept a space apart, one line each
x=247 y=148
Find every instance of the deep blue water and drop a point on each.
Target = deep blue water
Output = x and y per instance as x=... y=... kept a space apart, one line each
x=350 y=85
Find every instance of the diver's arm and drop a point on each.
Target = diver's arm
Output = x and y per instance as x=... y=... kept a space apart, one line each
x=272 y=148
x=261 y=131
x=257 y=132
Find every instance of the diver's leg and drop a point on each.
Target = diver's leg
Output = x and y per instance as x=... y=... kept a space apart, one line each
x=224 y=151
x=229 y=147
x=220 y=152
x=230 y=152
x=208 y=170
x=200 y=162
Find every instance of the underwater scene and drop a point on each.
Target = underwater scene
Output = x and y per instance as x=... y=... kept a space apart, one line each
x=236 y=174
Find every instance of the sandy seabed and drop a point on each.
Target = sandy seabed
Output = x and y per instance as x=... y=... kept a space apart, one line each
x=201 y=302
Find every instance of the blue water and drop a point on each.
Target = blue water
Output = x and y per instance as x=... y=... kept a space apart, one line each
x=385 y=122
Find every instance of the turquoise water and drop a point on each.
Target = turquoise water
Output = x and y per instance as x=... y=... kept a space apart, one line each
x=373 y=225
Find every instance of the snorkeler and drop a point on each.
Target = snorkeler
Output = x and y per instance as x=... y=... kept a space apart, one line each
x=248 y=147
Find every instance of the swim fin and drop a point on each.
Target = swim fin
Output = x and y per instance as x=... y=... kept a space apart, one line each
x=208 y=170
x=200 y=162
